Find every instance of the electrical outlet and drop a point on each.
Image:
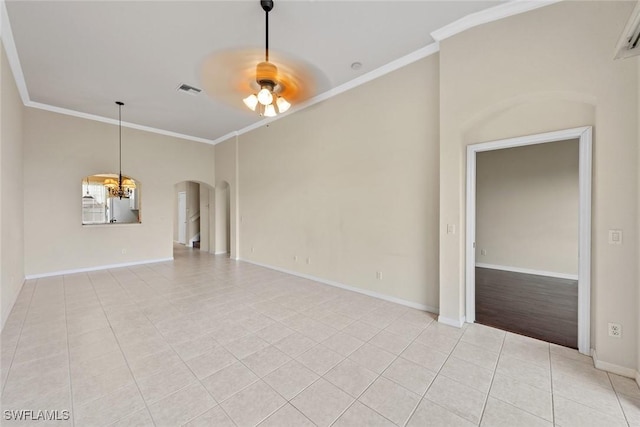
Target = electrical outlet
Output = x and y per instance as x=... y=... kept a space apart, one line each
x=615 y=330
x=309 y=260
x=483 y=251
x=379 y=275
x=124 y=251
x=295 y=258
x=252 y=249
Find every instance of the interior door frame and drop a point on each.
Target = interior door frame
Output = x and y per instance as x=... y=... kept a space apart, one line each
x=584 y=135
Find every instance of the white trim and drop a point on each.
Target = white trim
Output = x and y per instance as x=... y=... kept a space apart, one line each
x=638 y=377
x=12 y=53
x=358 y=81
x=613 y=368
x=96 y=268
x=452 y=322
x=633 y=23
x=584 y=134
x=97 y=118
x=373 y=294
x=496 y=13
x=221 y=253
x=528 y=271
x=584 y=244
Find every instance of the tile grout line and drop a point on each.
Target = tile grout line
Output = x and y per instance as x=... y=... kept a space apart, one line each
x=66 y=327
x=15 y=350
x=588 y=406
x=424 y=395
x=288 y=401
x=380 y=374
x=181 y=359
x=486 y=400
x=553 y=405
x=120 y=348
x=624 y=414
x=517 y=379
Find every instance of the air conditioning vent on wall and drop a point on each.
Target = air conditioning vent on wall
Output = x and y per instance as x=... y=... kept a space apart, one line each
x=629 y=43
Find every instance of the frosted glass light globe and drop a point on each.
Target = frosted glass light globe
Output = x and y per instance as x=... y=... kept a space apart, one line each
x=264 y=96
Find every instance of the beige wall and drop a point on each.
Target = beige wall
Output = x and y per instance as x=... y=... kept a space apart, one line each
x=638 y=243
x=544 y=70
x=11 y=191
x=350 y=187
x=61 y=150
x=527 y=207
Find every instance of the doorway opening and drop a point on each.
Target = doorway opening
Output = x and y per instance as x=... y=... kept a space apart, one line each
x=193 y=225
x=485 y=272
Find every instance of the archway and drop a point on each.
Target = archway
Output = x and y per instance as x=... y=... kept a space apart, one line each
x=193 y=215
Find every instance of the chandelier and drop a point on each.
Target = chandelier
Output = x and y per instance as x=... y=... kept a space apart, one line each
x=266 y=101
x=122 y=187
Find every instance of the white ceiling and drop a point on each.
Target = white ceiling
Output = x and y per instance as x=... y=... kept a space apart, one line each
x=84 y=55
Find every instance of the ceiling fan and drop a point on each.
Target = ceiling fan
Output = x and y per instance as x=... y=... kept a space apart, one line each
x=266 y=82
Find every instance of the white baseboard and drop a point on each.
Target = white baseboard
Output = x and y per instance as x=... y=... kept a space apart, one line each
x=613 y=368
x=452 y=322
x=638 y=377
x=373 y=294
x=96 y=268
x=221 y=253
x=528 y=271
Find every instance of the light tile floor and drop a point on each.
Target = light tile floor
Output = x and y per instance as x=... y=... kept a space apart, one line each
x=206 y=341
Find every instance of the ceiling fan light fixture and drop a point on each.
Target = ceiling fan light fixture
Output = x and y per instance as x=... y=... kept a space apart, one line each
x=265 y=96
x=267 y=101
x=283 y=104
x=270 y=111
x=251 y=101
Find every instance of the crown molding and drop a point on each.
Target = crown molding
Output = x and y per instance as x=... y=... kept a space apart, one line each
x=12 y=53
x=111 y=121
x=493 y=14
x=496 y=13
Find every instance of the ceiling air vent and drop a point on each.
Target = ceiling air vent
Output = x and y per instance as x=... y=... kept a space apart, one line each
x=629 y=43
x=191 y=90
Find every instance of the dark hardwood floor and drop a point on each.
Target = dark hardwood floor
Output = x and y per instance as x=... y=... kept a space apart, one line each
x=540 y=307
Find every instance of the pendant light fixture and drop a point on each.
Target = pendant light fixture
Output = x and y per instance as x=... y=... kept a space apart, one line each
x=123 y=187
x=267 y=102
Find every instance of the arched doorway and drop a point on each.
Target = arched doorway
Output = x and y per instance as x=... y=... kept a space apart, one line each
x=193 y=213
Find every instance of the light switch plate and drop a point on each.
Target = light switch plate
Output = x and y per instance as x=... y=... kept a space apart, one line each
x=615 y=237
